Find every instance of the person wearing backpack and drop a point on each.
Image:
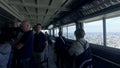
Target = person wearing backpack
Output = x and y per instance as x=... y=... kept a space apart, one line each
x=80 y=51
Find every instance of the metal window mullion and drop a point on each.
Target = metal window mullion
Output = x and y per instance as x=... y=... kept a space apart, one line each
x=38 y=10
x=67 y=31
x=49 y=30
x=79 y=25
x=104 y=31
x=56 y=31
x=53 y=32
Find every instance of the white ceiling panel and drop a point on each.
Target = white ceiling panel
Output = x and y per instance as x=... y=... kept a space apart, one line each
x=57 y=3
x=43 y=2
x=51 y=12
x=33 y=17
x=31 y=9
x=29 y=1
x=46 y=18
x=41 y=11
x=40 y=17
x=35 y=10
x=26 y=17
x=20 y=9
x=15 y=0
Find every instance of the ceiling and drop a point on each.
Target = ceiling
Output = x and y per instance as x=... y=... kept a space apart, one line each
x=91 y=9
x=49 y=11
x=39 y=11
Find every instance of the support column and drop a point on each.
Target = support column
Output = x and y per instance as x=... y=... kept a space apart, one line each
x=79 y=25
x=53 y=32
x=60 y=28
x=50 y=32
x=104 y=31
x=67 y=31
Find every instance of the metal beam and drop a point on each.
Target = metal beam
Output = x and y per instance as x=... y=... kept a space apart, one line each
x=35 y=14
x=26 y=8
x=37 y=6
x=38 y=10
x=57 y=11
x=34 y=19
x=104 y=31
x=9 y=9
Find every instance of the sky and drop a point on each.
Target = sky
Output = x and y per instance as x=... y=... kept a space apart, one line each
x=71 y=29
x=112 y=25
x=45 y=31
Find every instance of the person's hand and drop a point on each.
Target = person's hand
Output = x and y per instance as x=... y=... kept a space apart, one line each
x=19 y=46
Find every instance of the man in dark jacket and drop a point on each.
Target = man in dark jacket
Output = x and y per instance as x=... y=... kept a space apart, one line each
x=25 y=46
x=40 y=45
x=60 y=46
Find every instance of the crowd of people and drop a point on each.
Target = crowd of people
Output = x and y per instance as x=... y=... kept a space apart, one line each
x=18 y=51
x=21 y=46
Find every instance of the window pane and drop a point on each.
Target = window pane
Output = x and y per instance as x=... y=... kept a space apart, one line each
x=65 y=32
x=94 y=32
x=71 y=30
x=45 y=31
x=56 y=31
x=113 y=32
x=52 y=32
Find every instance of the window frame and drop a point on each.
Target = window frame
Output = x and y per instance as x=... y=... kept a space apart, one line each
x=102 y=29
x=104 y=26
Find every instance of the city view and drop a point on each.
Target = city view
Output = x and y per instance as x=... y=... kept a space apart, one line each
x=113 y=39
x=96 y=38
x=94 y=32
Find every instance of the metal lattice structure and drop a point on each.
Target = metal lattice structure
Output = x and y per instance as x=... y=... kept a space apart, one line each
x=59 y=11
x=38 y=11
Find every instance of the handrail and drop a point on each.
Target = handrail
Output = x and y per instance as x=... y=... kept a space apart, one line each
x=106 y=60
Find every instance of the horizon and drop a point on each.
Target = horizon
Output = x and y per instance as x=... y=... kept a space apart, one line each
x=97 y=26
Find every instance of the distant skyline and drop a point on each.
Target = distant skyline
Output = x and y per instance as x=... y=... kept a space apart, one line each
x=112 y=25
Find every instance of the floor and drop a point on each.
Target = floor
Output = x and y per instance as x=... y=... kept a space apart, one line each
x=51 y=57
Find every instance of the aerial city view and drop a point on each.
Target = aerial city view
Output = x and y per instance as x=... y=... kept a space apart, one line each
x=94 y=32
x=112 y=39
x=97 y=38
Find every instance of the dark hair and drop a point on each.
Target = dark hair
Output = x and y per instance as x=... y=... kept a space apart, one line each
x=38 y=24
x=79 y=33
